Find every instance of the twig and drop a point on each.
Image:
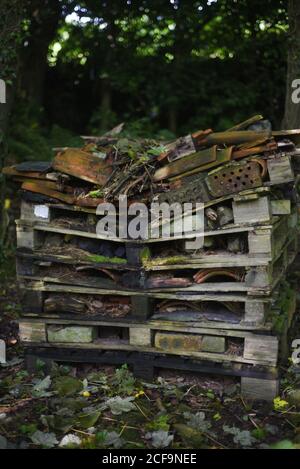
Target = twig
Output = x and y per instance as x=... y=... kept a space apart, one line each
x=143 y=413
x=80 y=431
x=215 y=441
x=187 y=392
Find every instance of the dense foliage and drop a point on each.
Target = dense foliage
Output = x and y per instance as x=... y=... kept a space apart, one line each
x=164 y=67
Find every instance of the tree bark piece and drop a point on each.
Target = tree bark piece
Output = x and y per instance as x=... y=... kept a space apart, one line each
x=82 y=165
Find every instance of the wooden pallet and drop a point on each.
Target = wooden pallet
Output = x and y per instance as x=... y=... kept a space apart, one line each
x=257 y=382
x=258 y=205
x=223 y=310
x=253 y=279
x=153 y=336
x=262 y=244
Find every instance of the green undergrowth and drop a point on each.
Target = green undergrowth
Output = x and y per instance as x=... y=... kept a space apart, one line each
x=92 y=408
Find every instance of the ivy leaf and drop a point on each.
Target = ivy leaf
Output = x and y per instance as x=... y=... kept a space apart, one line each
x=112 y=439
x=118 y=405
x=240 y=437
x=197 y=421
x=48 y=440
x=39 y=390
x=160 y=438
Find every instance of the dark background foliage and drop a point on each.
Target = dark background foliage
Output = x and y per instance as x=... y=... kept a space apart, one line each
x=165 y=67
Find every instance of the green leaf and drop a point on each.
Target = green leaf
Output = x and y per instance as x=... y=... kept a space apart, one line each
x=160 y=439
x=159 y=423
x=67 y=385
x=197 y=421
x=39 y=390
x=240 y=437
x=124 y=380
x=88 y=420
x=48 y=440
x=156 y=151
x=60 y=423
x=29 y=428
x=192 y=438
x=284 y=444
x=112 y=439
x=118 y=405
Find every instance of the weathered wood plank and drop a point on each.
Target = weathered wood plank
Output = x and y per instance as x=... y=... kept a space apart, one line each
x=262 y=389
x=33 y=331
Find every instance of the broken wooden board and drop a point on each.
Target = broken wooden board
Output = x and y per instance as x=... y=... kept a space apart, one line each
x=202 y=160
x=50 y=189
x=293 y=135
x=243 y=125
x=235 y=137
x=82 y=165
x=63 y=194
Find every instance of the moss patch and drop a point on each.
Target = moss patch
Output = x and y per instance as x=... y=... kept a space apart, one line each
x=106 y=260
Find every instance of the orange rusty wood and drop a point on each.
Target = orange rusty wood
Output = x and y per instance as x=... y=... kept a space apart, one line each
x=82 y=165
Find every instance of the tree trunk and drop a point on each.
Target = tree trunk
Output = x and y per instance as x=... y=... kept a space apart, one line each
x=10 y=29
x=172 y=125
x=105 y=105
x=10 y=32
x=44 y=20
x=292 y=109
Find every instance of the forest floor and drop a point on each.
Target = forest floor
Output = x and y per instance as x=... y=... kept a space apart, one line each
x=90 y=406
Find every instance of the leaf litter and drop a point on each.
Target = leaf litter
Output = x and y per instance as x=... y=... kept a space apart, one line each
x=109 y=408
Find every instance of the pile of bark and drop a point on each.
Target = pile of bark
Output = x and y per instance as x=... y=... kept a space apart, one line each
x=201 y=166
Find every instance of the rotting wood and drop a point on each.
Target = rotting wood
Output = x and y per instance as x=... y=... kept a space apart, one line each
x=218 y=304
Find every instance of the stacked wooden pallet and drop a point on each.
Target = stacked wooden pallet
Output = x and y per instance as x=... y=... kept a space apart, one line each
x=225 y=309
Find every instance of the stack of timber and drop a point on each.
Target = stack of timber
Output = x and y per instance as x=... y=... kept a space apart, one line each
x=225 y=308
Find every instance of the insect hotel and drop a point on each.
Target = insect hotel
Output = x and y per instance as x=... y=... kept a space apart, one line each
x=224 y=308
